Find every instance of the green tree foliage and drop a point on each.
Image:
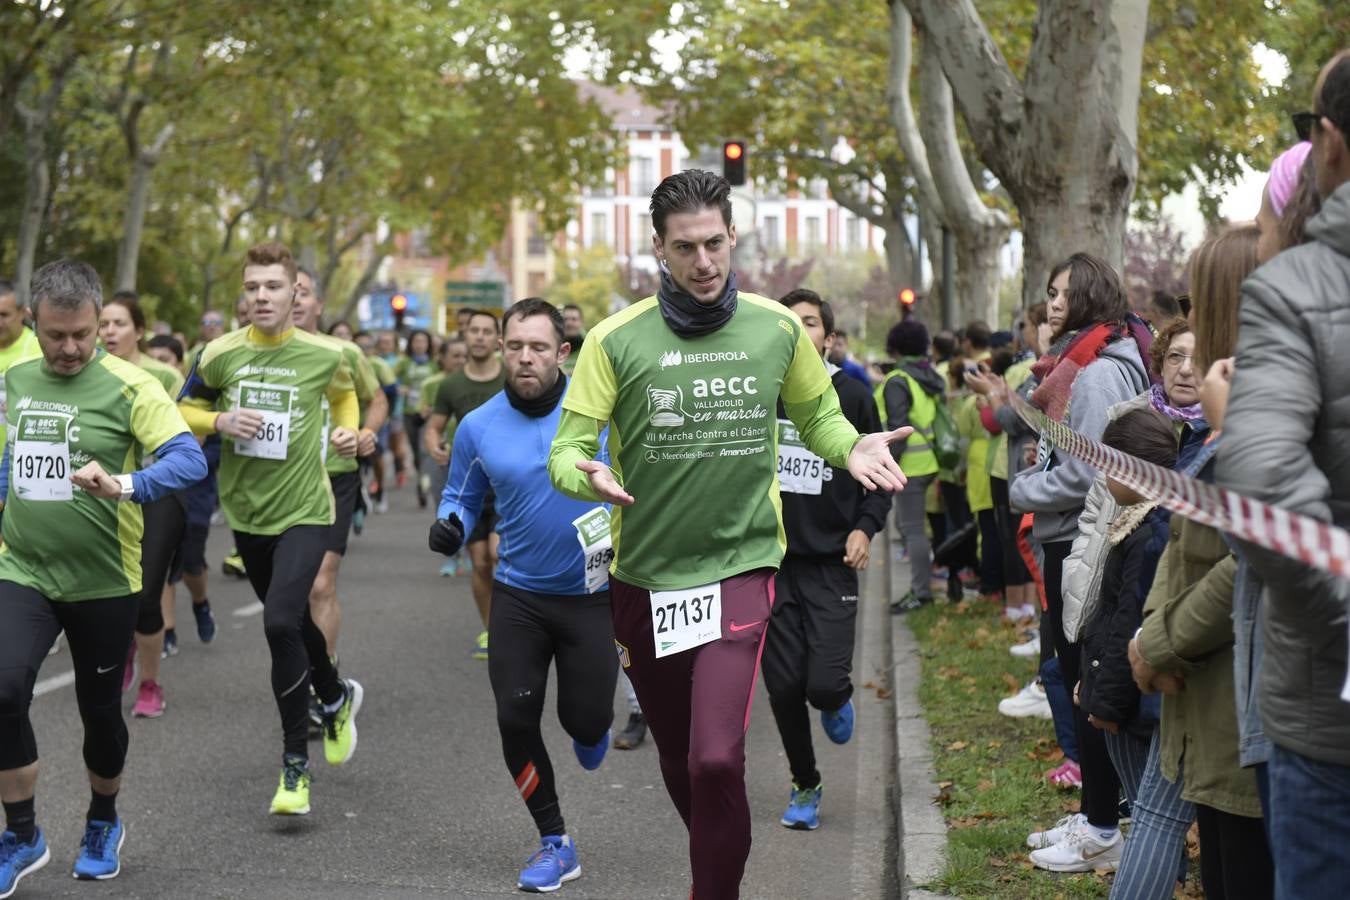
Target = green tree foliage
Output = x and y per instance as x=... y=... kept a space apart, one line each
x=334 y=125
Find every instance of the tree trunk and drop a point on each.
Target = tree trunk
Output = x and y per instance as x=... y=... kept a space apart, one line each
x=1063 y=142
x=37 y=188
x=143 y=162
x=899 y=256
x=378 y=253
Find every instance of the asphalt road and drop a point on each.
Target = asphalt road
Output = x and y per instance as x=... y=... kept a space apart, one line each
x=426 y=806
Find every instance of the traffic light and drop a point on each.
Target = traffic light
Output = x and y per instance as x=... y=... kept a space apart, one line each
x=733 y=162
x=398 y=304
x=907 y=296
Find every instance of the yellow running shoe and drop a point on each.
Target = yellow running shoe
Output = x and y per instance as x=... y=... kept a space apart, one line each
x=480 y=647
x=292 y=796
x=339 y=728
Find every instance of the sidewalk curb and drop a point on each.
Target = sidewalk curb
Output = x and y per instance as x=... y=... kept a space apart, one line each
x=919 y=822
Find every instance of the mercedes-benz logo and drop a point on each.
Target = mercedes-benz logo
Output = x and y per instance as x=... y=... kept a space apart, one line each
x=653 y=456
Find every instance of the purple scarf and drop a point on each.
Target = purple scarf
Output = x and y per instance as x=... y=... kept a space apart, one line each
x=1158 y=400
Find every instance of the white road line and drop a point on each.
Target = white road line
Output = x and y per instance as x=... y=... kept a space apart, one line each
x=251 y=610
x=47 y=685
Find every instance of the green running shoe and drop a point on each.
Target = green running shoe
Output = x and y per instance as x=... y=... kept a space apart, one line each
x=339 y=728
x=292 y=796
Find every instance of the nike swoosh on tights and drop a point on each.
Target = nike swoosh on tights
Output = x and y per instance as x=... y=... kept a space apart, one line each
x=734 y=627
x=103 y=671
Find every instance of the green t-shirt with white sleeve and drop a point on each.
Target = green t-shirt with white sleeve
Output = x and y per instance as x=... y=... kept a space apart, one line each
x=60 y=540
x=276 y=480
x=693 y=436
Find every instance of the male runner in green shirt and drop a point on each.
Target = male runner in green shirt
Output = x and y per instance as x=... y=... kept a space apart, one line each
x=17 y=342
x=689 y=381
x=83 y=419
x=343 y=471
x=262 y=388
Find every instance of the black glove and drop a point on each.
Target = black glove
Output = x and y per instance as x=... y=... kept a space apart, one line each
x=447 y=536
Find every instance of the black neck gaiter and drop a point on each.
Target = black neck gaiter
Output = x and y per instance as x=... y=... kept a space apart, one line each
x=689 y=318
x=540 y=406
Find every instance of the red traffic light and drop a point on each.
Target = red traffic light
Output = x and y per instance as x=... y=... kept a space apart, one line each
x=733 y=162
x=907 y=296
x=398 y=303
x=735 y=151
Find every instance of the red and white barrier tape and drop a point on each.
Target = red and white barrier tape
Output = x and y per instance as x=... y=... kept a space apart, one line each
x=1310 y=541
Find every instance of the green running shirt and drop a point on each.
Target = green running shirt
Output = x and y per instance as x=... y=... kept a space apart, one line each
x=111 y=412
x=693 y=437
x=25 y=346
x=367 y=385
x=287 y=377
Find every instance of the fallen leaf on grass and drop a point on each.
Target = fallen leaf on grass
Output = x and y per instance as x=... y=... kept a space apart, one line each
x=998 y=862
x=945 y=793
x=1013 y=684
x=969 y=821
x=958 y=745
x=947 y=673
x=994 y=745
x=985 y=785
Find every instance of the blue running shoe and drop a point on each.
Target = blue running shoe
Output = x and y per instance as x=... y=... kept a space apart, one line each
x=548 y=867
x=206 y=623
x=838 y=724
x=803 y=809
x=18 y=860
x=100 y=851
x=591 y=757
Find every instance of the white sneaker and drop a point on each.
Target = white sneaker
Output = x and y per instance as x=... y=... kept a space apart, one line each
x=1027 y=649
x=1030 y=701
x=1019 y=613
x=1081 y=851
x=1039 y=840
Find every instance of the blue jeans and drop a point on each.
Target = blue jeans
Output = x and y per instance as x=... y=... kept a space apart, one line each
x=1154 y=851
x=1061 y=707
x=1309 y=809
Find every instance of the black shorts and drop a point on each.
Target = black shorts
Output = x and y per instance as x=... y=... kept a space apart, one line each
x=487 y=520
x=191 y=558
x=346 y=494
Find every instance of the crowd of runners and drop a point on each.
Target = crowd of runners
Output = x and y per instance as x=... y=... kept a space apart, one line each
x=684 y=496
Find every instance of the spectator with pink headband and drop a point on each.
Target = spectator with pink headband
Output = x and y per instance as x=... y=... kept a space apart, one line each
x=1285 y=175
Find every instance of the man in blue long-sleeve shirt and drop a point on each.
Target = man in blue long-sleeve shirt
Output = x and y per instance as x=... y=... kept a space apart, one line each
x=550 y=592
x=80 y=420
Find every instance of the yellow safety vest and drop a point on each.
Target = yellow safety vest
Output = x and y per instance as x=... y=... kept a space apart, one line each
x=918 y=457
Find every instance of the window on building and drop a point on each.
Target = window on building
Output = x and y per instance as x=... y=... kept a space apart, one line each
x=812 y=232
x=537 y=245
x=853 y=234
x=536 y=282
x=771 y=241
x=599 y=230
x=644 y=176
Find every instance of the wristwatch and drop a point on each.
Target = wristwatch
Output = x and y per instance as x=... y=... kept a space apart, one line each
x=127 y=488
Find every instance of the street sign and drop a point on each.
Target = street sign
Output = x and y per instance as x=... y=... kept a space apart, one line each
x=475 y=293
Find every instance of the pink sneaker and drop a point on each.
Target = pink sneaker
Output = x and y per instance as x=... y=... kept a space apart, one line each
x=149 y=701
x=129 y=673
x=1067 y=775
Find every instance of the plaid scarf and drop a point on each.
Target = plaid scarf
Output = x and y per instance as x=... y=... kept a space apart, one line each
x=1058 y=371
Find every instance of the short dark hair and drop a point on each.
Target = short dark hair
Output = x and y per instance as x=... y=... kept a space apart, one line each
x=68 y=284
x=1144 y=433
x=1165 y=305
x=908 y=337
x=7 y=288
x=573 y=307
x=1334 y=99
x=690 y=191
x=944 y=342
x=1095 y=294
x=1000 y=339
x=803 y=295
x=168 y=341
x=496 y=323
x=132 y=302
x=448 y=343
x=535 y=306
x=978 y=333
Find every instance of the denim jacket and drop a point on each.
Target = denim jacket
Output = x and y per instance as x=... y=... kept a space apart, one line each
x=1248 y=591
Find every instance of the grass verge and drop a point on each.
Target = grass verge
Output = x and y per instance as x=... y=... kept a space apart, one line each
x=989 y=767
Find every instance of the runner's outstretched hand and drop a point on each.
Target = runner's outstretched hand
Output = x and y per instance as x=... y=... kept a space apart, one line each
x=871 y=463
x=446 y=536
x=605 y=485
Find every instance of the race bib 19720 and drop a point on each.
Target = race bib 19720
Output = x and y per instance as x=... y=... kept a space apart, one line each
x=41 y=457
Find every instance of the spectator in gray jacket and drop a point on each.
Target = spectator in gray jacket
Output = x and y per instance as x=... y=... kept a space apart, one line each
x=1095 y=361
x=1288 y=443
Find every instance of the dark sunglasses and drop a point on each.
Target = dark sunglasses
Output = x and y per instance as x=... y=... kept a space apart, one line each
x=1304 y=122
